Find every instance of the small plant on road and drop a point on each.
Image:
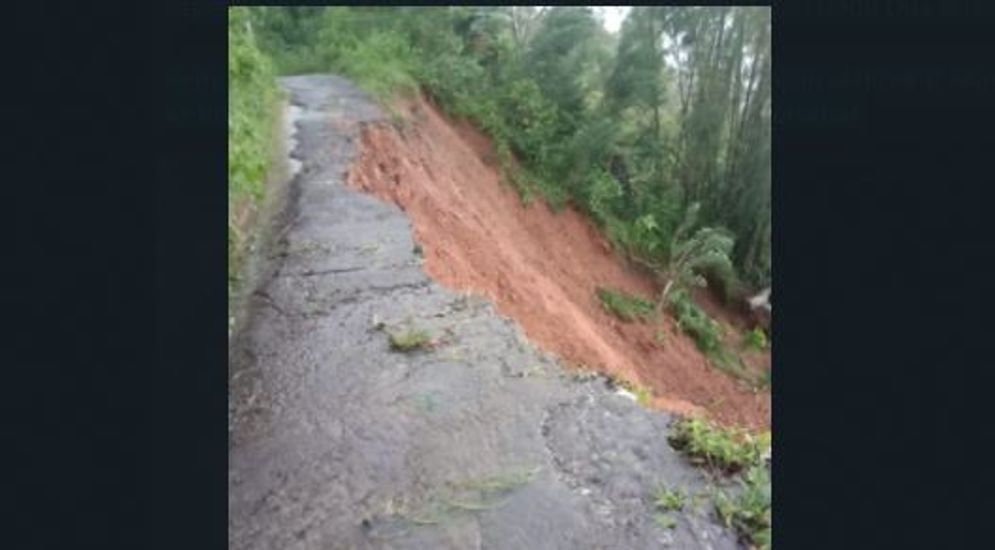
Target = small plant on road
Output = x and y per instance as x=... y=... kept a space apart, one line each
x=670 y=500
x=408 y=340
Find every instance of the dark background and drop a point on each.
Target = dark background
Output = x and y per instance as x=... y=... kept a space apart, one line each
x=114 y=299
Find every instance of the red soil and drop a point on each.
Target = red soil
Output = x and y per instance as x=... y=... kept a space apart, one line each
x=540 y=268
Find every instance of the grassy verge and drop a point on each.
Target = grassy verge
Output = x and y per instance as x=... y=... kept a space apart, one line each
x=252 y=108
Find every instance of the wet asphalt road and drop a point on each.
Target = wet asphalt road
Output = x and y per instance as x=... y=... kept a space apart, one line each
x=480 y=442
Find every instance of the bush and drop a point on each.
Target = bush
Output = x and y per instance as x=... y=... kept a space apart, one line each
x=252 y=95
x=756 y=339
x=729 y=451
x=695 y=322
x=749 y=511
x=381 y=64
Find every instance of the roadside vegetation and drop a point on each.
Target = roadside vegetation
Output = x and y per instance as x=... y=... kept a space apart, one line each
x=637 y=128
x=252 y=101
x=747 y=508
x=626 y=306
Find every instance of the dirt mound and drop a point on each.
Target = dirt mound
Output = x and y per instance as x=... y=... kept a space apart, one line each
x=540 y=268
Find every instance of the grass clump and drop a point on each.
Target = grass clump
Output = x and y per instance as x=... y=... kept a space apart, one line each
x=749 y=510
x=670 y=501
x=729 y=451
x=626 y=306
x=409 y=340
x=756 y=339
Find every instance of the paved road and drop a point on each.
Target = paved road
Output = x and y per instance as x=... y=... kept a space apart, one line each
x=480 y=442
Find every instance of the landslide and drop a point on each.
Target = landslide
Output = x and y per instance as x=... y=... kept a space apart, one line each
x=539 y=267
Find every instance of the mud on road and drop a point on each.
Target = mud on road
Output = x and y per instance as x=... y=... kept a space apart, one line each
x=480 y=441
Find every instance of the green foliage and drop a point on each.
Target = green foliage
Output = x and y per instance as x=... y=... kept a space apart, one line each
x=626 y=306
x=592 y=118
x=695 y=322
x=381 y=64
x=251 y=94
x=756 y=339
x=407 y=340
x=602 y=195
x=252 y=99
x=729 y=451
x=691 y=254
x=749 y=510
x=670 y=500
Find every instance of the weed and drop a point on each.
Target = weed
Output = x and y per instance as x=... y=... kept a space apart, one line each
x=726 y=450
x=409 y=340
x=625 y=306
x=660 y=337
x=665 y=521
x=756 y=339
x=670 y=501
x=749 y=511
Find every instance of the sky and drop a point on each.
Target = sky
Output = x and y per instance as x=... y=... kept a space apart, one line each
x=613 y=16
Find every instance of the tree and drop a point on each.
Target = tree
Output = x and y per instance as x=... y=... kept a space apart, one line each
x=691 y=254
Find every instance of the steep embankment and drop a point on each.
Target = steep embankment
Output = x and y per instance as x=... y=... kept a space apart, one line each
x=540 y=268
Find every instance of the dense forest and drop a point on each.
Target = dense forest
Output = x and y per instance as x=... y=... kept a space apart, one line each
x=660 y=132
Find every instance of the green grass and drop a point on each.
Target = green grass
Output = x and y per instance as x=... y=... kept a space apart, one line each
x=729 y=451
x=749 y=510
x=670 y=500
x=626 y=306
x=408 y=340
x=756 y=339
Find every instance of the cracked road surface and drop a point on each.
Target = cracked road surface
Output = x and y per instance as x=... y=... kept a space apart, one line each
x=479 y=441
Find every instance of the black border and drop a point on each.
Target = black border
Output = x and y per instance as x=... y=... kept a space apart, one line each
x=115 y=298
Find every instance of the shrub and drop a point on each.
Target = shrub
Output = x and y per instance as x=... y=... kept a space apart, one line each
x=695 y=322
x=749 y=511
x=625 y=306
x=382 y=64
x=252 y=95
x=727 y=450
x=756 y=339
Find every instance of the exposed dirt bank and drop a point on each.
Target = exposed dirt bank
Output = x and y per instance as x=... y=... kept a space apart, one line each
x=540 y=268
